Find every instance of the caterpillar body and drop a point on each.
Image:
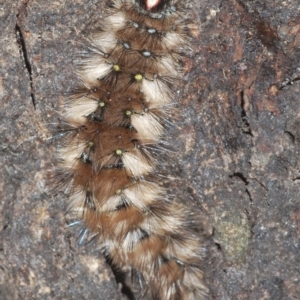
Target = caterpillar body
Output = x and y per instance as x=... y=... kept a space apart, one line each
x=116 y=123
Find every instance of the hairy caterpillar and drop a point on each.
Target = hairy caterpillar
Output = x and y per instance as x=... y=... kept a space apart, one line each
x=110 y=154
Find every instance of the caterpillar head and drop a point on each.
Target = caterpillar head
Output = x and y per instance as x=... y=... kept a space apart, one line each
x=153 y=5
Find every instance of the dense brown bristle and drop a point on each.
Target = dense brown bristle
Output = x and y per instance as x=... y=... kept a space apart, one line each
x=111 y=153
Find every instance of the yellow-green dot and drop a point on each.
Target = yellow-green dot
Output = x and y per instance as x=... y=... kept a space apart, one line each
x=119 y=152
x=116 y=68
x=128 y=113
x=101 y=104
x=138 y=77
x=90 y=144
x=118 y=192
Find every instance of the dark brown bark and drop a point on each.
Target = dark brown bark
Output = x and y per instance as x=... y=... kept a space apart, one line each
x=238 y=158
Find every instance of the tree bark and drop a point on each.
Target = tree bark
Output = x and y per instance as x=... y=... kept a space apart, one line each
x=238 y=144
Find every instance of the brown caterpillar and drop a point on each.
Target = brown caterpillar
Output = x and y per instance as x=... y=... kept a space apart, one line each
x=116 y=122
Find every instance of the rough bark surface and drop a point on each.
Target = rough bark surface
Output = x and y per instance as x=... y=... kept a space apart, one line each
x=237 y=161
